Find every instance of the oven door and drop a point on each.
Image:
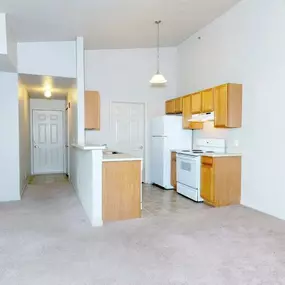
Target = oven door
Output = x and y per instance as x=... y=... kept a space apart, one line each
x=187 y=170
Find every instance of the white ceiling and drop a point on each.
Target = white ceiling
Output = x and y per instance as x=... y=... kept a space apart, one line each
x=36 y=85
x=111 y=23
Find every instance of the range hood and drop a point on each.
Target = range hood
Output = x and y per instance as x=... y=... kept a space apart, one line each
x=203 y=117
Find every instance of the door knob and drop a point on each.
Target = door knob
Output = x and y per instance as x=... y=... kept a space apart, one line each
x=141 y=147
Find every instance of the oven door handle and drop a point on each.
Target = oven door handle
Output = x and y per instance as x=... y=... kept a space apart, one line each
x=187 y=158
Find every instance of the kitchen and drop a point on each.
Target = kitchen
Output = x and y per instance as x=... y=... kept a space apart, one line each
x=201 y=169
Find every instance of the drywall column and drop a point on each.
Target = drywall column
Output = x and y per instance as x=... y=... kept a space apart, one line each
x=8 y=47
x=3 y=35
x=80 y=90
x=9 y=143
x=86 y=178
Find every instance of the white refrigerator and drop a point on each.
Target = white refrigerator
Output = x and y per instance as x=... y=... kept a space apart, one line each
x=166 y=134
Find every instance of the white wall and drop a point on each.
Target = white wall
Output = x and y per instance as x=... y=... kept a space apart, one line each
x=48 y=58
x=86 y=178
x=3 y=36
x=24 y=136
x=123 y=75
x=9 y=143
x=8 y=47
x=47 y=104
x=246 y=45
x=80 y=84
x=72 y=115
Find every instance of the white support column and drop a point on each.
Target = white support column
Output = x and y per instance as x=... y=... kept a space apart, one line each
x=97 y=219
x=80 y=90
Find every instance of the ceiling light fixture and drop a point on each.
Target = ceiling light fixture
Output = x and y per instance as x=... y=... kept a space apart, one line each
x=158 y=78
x=47 y=93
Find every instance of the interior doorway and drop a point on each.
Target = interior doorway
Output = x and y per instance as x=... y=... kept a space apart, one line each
x=128 y=128
x=48 y=144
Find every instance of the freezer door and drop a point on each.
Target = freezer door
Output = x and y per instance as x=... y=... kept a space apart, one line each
x=157 y=126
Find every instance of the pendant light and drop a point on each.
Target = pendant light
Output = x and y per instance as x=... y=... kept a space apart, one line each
x=158 y=78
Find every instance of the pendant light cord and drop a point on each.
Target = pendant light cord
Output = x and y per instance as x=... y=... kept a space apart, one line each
x=158 y=46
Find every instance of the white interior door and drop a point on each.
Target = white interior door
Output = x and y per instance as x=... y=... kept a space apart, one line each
x=127 y=127
x=48 y=142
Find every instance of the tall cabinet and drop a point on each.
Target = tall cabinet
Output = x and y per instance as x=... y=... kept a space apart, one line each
x=92 y=110
x=228 y=105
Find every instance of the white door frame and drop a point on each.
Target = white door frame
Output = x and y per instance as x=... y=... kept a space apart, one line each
x=145 y=130
x=32 y=135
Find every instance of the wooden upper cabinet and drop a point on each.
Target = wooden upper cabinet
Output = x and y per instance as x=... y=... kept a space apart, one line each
x=186 y=111
x=207 y=101
x=92 y=110
x=170 y=107
x=228 y=105
x=196 y=103
x=178 y=105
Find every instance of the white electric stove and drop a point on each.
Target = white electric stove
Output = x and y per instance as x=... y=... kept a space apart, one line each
x=189 y=166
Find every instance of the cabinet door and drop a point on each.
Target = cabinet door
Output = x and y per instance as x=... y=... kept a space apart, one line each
x=167 y=107
x=196 y=103
x=186 y=111
x=207 y=101
x=173 y=170
x=207 y=183
x=178 y=105
x=221 y=105
x=92 y=110
x=170 y=107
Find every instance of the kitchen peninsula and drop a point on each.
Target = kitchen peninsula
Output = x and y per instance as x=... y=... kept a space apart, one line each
x=107 y=183
x=121 y=186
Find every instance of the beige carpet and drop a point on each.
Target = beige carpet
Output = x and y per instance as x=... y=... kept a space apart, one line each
x=46 y=240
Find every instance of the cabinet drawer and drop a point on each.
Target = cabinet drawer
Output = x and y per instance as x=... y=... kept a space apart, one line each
x=206 y=160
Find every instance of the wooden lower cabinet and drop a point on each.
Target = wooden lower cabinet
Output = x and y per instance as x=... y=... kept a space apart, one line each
x=221 y=180
x=173 y=170
x=121 y=190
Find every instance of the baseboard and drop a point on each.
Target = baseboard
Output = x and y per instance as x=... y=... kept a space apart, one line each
x=25 y=186
x=97 y=222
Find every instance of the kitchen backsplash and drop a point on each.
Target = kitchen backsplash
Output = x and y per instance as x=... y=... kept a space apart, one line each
x=232 y=136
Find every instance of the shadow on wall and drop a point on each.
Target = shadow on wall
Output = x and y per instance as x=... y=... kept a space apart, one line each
x=232 y=136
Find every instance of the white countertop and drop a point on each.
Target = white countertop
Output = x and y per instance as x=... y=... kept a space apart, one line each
x=90 y=146
x=120 y=157
x=216 y=154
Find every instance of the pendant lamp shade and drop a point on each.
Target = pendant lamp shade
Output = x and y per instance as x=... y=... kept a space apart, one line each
x=158 y=78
